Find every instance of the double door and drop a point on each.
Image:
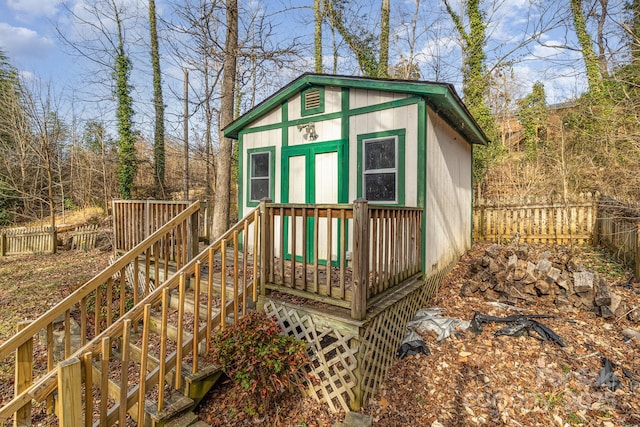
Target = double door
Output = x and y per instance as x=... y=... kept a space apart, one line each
x=313 y=174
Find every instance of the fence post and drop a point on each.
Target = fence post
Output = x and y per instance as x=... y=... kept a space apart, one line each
x=23 y=376
x=70 y=393
x=3 y=244
x=54 y=240
x=636 y=269
x=596 y=223
x=265 y=245
x=360 y=259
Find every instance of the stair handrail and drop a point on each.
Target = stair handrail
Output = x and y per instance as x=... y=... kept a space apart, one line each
x=47 y=384
x=11 y=344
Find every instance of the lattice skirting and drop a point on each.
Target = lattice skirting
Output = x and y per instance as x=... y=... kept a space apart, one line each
x=349 y=359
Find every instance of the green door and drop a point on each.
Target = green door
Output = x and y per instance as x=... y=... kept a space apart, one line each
x=314 y=174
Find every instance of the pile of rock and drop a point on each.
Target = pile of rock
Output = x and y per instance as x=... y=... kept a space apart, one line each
x=518 y=275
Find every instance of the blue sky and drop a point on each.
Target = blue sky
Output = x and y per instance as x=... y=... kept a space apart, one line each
x=28 y=35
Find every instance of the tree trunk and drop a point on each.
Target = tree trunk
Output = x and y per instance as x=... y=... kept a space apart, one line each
x=317 y=9
x=594 y=75
x=158 y=135
x=223 y=159
x=185 y=125
x=383 y=66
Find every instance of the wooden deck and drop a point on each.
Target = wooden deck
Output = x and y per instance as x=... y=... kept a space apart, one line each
x=374 y=265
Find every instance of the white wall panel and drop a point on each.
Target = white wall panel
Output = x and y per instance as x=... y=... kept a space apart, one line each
x=448 y=212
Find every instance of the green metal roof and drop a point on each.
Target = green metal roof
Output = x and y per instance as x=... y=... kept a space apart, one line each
x=441 y=97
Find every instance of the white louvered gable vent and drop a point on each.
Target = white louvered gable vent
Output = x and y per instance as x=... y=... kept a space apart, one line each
x=312 y=99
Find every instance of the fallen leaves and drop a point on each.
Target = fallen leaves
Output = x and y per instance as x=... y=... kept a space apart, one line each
x=486 y=380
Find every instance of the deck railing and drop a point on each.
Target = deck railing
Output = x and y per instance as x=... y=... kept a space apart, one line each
x=94 y=307
x=343 y=255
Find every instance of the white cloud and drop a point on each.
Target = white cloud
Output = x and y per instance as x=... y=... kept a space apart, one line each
x=23 y=43
x=47 y=8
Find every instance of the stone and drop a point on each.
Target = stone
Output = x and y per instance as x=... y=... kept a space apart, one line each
x=512 y=261
x=582 y=282
x=494 y=267
x=610 y=311
x=564 y=281
x=563 y=304
x=543 y=286
x=493 y=251
x=603 y=295
x=543 y=267
x=468 y=288
x=553 y=275
x=518 y=273
x=523 y=251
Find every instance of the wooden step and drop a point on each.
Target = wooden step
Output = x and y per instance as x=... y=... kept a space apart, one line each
x=175 y=406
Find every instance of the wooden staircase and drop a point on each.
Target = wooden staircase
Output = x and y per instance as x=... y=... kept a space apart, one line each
x=148 y=365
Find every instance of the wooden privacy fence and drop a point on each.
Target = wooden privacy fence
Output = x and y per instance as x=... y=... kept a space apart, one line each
x=536 y=220
x=617 y=229
x=135 y=220
x=23 y=240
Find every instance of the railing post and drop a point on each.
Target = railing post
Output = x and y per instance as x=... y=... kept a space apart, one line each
x=116 y=227
x=266 y=245
x=205 y=219
x=193 y=236
x=23 y=376
x=360 y=259
x=70 y=393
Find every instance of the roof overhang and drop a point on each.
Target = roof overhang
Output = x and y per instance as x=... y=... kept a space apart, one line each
x=441 y=97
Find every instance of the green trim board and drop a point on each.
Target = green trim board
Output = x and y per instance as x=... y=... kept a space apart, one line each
x=442 y=97
x=272 y=170
x=307 y=93
x=336 y=115
x=240 y=172
x=309 y=151
x=400 y=136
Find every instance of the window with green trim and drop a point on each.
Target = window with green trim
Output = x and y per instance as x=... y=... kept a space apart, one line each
x=380 y=169
x=312 y=101
x=260 y=175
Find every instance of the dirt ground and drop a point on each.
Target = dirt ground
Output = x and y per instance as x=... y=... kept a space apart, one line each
x=493 y=380
x=466 y=379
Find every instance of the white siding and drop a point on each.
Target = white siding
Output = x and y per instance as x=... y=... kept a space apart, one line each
x=332 y=103
x=364 y=98
x=327 y=130
x=272 y=117
x=448 y=212
x=386 y=120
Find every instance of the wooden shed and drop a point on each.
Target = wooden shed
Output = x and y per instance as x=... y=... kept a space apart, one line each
x=334 y=139
x=364 y=189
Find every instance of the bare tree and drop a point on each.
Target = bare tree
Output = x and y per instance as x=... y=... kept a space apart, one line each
x=223 y=160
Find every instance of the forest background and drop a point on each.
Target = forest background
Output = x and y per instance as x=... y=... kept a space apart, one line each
x=144 y=91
